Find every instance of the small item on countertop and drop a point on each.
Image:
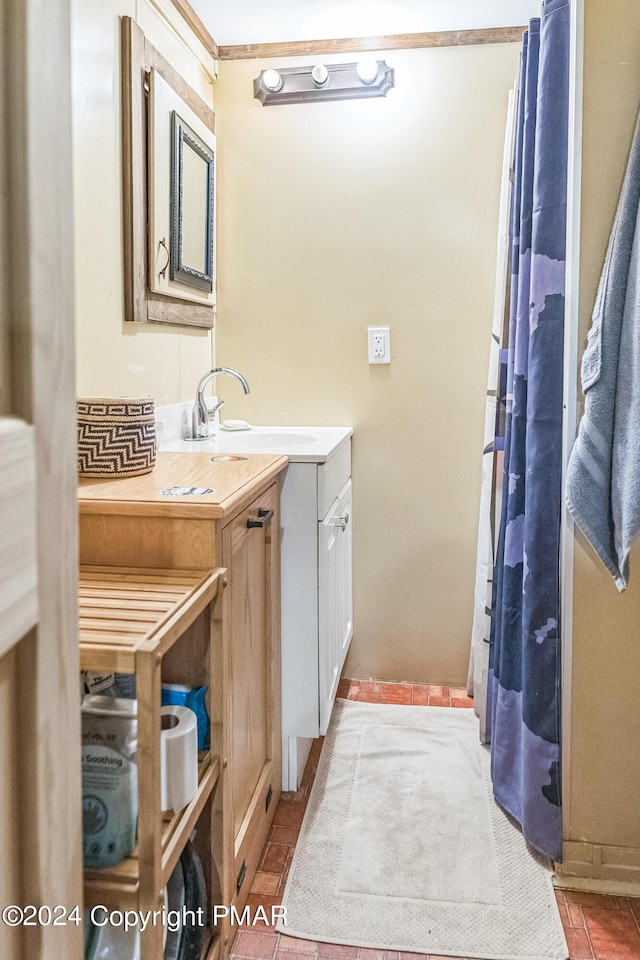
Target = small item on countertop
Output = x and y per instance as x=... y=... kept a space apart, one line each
x=116 y=436
x=235 y=425
x=187 y=491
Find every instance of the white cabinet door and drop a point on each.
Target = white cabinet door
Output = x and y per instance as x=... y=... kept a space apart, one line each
x=335 y=599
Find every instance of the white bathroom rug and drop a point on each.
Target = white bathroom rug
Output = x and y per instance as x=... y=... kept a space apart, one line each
x=403 y=848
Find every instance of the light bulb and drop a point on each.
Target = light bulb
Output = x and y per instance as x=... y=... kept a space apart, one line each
x=367 y=70
x=272 y=80
x=320 y=75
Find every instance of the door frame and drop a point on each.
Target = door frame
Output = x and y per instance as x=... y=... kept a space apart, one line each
x=37 y=359
x=570 y=384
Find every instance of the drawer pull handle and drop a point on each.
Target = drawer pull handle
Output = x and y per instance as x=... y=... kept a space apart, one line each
x=241 y=875
x=264 y=518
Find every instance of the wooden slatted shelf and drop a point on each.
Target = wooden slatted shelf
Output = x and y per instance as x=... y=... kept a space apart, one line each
x=128 y=620
x=124 y=610
x=114 y=884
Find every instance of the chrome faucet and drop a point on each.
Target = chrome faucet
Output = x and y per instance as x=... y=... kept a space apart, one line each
x=201 y=413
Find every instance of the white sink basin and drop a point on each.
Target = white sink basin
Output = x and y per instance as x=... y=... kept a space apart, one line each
x=249 y=440
x=300 y=444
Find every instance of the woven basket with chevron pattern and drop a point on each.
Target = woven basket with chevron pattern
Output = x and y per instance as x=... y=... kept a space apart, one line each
x=116 y=436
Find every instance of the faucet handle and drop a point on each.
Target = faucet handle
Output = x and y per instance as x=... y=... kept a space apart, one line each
x=211 y=411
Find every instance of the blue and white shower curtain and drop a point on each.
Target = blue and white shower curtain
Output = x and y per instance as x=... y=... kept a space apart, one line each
x=523 y=695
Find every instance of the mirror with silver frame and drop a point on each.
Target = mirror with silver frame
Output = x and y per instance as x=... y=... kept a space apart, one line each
x=192 y=208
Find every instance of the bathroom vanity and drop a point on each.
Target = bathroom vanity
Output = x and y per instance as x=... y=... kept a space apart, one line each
x=317 y=600
x=317 y=594
x=193 y=513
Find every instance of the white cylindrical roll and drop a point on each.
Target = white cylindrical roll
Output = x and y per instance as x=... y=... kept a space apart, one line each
x=178 y=757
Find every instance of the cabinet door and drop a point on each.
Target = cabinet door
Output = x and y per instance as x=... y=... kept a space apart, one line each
x=251 y=551
x=335 y=599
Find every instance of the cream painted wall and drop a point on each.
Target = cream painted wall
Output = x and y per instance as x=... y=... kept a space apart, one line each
x=339 y=216
x=114 y=357
x=602 y=826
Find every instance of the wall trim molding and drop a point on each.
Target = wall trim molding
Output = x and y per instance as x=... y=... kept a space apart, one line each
x=598 y=868
x=189 y=15
x=398 y=41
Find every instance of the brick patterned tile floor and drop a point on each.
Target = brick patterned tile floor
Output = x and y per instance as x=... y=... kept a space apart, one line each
x=597 y=927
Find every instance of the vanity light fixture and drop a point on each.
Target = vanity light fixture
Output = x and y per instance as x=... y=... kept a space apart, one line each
x=320 y=75
x=367 y=70
x=333 y=81
x=272 y=80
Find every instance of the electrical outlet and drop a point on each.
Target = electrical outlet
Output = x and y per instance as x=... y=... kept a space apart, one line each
x=379 y=344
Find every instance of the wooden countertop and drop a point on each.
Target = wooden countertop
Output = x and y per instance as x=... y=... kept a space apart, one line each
x=230 y=483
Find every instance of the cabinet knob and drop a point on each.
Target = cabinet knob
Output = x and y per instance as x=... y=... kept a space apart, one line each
x=264 y=517
x=225 y=763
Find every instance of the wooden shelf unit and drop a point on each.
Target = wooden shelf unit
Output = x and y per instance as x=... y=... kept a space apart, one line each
x=129 y=521
x=129 y=618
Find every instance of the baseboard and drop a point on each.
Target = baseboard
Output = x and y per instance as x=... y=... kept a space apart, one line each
x=599 y=868
x=295 y=753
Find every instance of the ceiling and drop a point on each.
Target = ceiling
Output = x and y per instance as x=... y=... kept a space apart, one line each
x=272 y=21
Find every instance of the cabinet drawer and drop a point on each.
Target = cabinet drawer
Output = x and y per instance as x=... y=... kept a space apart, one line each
x=252 y=835
x=332 y=477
